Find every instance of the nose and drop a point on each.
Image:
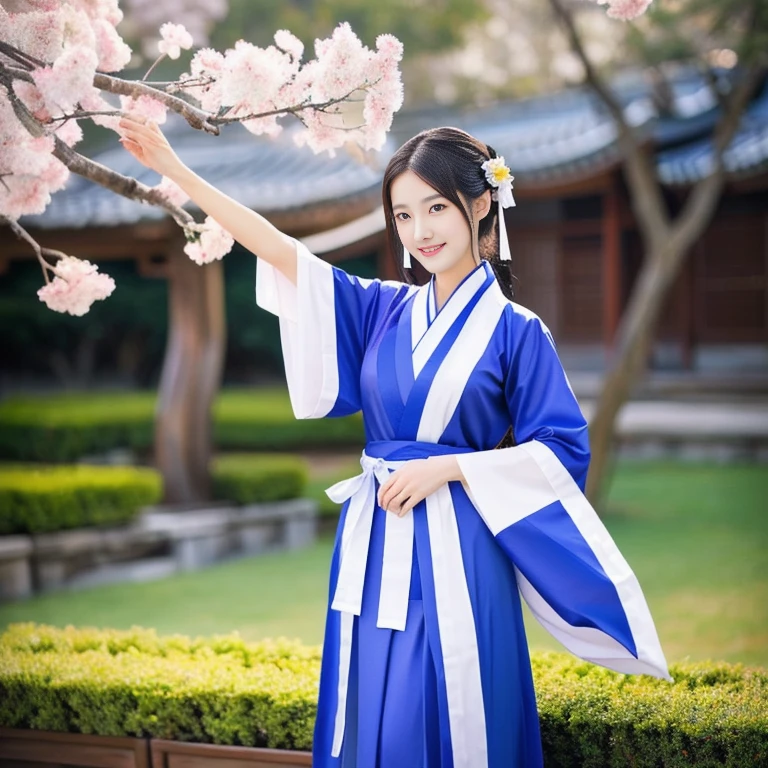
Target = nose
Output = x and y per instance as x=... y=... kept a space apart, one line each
x=421 y=229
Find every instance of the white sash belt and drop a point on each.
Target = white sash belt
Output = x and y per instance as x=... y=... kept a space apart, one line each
x=355 y=541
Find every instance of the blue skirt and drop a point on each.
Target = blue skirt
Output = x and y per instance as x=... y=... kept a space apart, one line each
x=396 y=704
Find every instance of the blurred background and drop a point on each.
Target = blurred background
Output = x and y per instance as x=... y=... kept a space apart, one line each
x=126 y=388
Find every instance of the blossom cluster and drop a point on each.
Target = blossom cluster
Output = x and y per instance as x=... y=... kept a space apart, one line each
x=208 y=241
x=74 y=40
x=625 y=10
x=347 y=93
x=76 y=285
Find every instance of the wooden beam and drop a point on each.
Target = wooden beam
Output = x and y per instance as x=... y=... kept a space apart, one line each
x=370 y=244
x=560 y=186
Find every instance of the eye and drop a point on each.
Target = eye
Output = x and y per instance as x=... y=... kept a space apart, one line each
x=437 y=207
x=398 y=216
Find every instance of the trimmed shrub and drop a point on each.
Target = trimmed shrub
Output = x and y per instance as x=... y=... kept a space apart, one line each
x=42 y=499
x=252 y=478
x=66 y=427
x=223 y=690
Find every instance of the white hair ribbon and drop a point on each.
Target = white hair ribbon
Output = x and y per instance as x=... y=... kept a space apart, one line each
x=498 y=175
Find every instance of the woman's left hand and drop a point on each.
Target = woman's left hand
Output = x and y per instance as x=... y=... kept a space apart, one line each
x=416 y=480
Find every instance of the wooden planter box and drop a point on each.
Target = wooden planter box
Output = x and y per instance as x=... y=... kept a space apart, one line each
x=178 y=754
x=37 y=749
x=46 y=749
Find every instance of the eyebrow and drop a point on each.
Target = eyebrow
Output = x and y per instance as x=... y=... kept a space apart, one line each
x=425 y=200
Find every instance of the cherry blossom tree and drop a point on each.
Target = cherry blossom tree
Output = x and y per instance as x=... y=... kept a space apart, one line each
x=668 y=235
x=58 y=65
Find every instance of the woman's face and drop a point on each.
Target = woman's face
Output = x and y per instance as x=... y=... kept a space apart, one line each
x=430 y=226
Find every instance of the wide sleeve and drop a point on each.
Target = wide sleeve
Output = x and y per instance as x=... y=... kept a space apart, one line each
x=569 y=570
x=326 y=319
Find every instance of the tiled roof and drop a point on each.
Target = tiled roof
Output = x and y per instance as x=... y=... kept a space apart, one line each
x=545 y=140
x=746 y=155
x=264 y=174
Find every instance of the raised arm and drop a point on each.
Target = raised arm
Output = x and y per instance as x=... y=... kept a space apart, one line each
x=146 y=142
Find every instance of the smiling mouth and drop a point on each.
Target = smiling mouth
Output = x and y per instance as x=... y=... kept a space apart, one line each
x=432 y=250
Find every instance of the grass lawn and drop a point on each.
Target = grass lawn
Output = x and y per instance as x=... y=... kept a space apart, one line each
x=696 y=536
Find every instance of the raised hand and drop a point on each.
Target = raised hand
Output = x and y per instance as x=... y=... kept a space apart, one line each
x=146 y=142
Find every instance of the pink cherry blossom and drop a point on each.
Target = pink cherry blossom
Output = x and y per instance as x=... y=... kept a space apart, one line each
x=69 y=80
x=207 y=65
x=113 y=52
x=30 y=94
x=625 y=10
x=146 y=106
x=95 y=102
x=39 y=33
x=29 y=171
x=175 y=38
x=76 y=285
x=213 y=242
x=289 y=43
x=321 y=135
x=172 y=191
x=342 y=62
x=70 y=132
x=253 y=77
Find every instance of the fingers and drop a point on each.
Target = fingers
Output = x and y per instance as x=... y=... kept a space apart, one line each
x=131 y=146
x=393 y=497
x=139 y=126
x=388 y=491
x=133 y=117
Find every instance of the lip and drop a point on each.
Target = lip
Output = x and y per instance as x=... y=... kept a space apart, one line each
x=431 y=253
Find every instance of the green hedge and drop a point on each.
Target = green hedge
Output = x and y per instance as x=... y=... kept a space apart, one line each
x=254 y=478
x=45 y=498
x=66 y=427
x=42 y=499
x=226 y=691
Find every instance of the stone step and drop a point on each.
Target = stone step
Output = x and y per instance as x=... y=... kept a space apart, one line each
x=147 y=569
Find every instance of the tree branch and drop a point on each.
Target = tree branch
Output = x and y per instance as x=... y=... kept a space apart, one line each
x=648 y=202
x=25 y=59
x=116 y=182
x=704 y=196
x=40 y=252
x=197 y=118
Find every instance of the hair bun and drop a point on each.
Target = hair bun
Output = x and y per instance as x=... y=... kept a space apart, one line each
x=491 y=151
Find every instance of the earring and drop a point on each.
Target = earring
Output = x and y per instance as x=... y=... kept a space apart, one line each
x=406 y=258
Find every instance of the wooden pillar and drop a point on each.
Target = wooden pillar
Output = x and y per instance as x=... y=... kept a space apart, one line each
x=191 y=376
x=611 y=236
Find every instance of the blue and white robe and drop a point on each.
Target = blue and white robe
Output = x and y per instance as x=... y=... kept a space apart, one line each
x=425 y=661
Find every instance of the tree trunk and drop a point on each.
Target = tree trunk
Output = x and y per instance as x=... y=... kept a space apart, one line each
x=638 y=324
x=634 y=339
x=190 y=378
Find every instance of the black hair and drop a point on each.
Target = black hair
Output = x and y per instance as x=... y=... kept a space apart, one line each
x=449 y=160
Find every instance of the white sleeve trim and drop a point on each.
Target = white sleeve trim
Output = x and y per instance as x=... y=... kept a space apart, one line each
x=307 y=330
x=510 y=484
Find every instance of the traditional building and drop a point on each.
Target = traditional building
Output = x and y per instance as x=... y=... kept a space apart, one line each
x=575 y=243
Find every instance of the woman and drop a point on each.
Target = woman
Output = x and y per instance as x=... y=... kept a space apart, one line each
x=425 y=661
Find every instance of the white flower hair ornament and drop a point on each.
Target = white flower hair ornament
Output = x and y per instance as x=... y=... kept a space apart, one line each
x=498 y=175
